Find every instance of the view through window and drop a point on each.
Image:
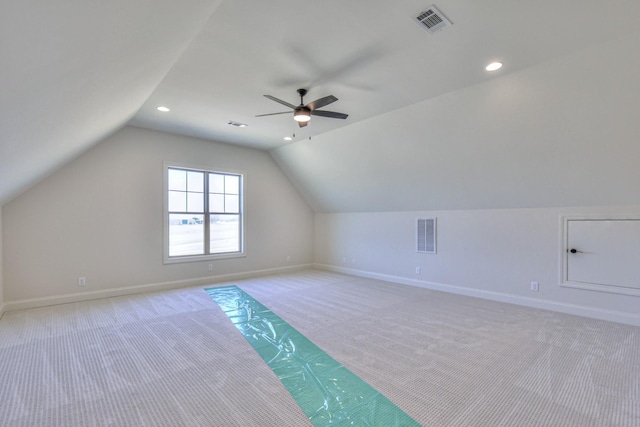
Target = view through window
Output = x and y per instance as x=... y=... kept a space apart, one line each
x=204 y=213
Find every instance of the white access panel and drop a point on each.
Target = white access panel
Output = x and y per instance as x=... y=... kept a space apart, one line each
x=602 y=254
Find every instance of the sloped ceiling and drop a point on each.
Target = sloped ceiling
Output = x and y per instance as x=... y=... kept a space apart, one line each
x=77 y=71
x=557 y=134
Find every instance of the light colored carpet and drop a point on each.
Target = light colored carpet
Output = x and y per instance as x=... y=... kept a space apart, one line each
x=174 y=359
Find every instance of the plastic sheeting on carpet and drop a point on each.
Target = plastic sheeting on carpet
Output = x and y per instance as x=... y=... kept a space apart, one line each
x=328 y=393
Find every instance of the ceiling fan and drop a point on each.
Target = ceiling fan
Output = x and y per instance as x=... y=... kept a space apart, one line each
x=302 y=113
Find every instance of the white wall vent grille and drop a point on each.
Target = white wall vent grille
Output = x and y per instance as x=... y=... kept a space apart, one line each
x=433 y=20
x=426 y=235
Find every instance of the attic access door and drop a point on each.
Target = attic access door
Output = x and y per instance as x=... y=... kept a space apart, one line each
x=602 y=254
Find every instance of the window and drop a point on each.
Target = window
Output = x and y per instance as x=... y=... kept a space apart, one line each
x=203 y=214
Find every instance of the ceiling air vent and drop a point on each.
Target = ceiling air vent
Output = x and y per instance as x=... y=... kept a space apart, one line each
x=237 y=124
x=433 y=20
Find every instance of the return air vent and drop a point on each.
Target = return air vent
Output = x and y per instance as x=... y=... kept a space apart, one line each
x=426 y=235
x=433 y=20
x=237 y=124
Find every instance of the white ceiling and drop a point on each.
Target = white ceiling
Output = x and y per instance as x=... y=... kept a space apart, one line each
x=76 y=71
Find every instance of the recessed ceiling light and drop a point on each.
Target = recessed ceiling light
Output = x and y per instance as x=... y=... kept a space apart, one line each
x=288 y=138
x=494 y=66
x=163 y=109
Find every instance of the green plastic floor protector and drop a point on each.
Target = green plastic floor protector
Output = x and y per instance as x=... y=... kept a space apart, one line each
x=328 y=393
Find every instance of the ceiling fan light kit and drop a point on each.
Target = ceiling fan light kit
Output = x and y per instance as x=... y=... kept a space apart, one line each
x=301 y=115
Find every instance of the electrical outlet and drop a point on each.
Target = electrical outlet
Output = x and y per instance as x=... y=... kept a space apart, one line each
x=210 y=266
x=344 y=259
x=418 y=270
x=534 y=286
x=288 y=258
x=82 y=281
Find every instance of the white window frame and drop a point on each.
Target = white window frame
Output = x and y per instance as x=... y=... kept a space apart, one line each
x=204 y=257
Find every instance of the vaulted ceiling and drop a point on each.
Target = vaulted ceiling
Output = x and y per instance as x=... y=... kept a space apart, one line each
x=75 y=72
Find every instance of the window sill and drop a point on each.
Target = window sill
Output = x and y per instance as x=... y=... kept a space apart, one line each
x=202 y=258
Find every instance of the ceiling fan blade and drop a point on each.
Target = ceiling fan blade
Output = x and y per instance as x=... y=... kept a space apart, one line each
x=280 y=101
x=273 y=114
x=331 y=114
x=302 y=124
x=319 y=103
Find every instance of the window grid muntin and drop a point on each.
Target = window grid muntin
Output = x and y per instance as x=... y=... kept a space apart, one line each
x=226 y=193
x=207 y=212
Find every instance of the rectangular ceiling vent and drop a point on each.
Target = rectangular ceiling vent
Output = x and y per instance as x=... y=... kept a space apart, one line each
x=433 y=20
x=237 y=124
x=426 y=236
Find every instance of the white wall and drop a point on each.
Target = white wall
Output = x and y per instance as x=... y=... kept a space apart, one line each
x=101 y=217
x=487 y=253
x=497 y=163
x=1 y=268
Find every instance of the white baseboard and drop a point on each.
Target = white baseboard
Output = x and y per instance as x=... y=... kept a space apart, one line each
x=1 y=310
x=578 y=310
x=152 y=287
